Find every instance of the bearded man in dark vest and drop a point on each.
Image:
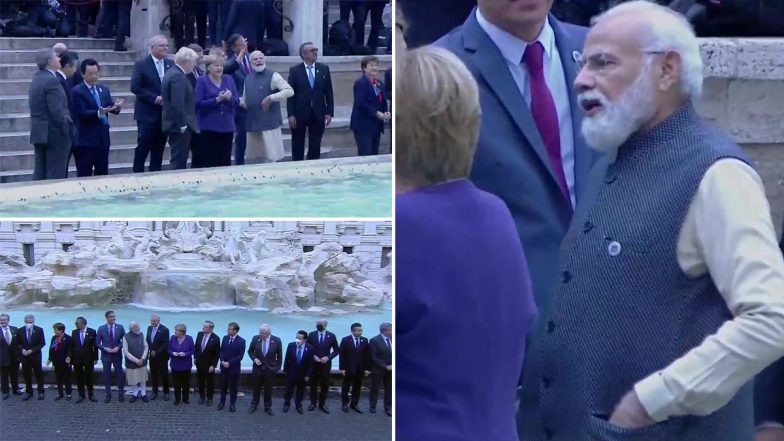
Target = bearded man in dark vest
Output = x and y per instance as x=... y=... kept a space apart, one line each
x=667 y=298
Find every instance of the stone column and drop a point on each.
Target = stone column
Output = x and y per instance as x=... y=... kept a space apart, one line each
x=306 y=23
x=146 y=19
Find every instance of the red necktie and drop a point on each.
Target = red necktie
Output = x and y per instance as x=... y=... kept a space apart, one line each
x=544 y=112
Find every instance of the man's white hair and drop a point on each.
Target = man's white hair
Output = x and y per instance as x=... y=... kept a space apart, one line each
x=265 y=327
x=132 y=324
x=667 y=30
x=186 y=55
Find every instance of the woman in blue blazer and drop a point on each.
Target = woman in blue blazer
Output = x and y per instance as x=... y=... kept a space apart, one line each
x=60 y=356
x=370 y=109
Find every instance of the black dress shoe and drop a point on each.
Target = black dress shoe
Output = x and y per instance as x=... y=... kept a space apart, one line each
x=388 y=412
x=145 y=399
x=18 y=392
x=133 y=399
x=232 y=408
x=299 y=409
x=201 y=400
x=345 y=408
x=154 y=395
x=165 y=397
x=79 y=400
x=59 y=397
x=372 y=410
x=356 y=409
x=285 y=409
x=108 y=398
x=6 y=396
x=40 y=395
x=27 y=397
x=324 y=409
x=176 y=402
x=252 y=409
x=312 y=407
x=209 y=402
x=92 y=398
x=67 y=398
x=186 y=402
x=221 y=405
x=269 y=411
x=121 y=397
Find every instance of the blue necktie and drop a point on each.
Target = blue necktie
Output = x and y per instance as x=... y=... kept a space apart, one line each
x=299 y=354
x=311 y=78
x=104 y=119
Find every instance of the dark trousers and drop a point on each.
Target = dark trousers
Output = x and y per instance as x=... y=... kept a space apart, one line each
x=292 y=383
x=181 y=380
x=11 y=371
x=273 y=20
x=376 y=11
x=219 y=13
x=196 y=14
x=41 y=15
x=315 y=130
x=119 y=378
x=229 y=381
x=359 y=9
x=206 y=382
x=376 y=379
x=240 y=138
x=177 y=22
x=123 y=23
x=78 y=18
x=93 y=161
x=159 y=373
x=151 y=141
x=320 y=378
x=63 y=374
x=180 y=144
x=263 y=379
x=107 y=19
x=32 y=365
x=211 y=149
x=367 y=143
x=353 y=381
x=50 y=163
x=84 y=374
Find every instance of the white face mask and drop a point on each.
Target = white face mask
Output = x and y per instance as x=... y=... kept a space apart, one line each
x=29 y=325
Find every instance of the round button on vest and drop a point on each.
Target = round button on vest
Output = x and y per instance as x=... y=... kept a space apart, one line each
x=614 y=248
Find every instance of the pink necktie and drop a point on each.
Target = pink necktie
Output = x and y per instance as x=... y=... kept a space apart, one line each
x=544 y=112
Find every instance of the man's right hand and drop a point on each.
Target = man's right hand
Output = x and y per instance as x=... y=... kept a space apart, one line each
x=159 y=100
x=293 y=122
x=257 y=361
x=226 y=364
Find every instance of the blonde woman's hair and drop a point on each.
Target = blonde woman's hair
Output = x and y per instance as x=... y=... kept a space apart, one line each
x=437 y=117
x=213 y=58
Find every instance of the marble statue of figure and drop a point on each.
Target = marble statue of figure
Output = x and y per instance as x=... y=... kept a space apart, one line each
x=258 y=246
x=234 y=248
x=144 y=247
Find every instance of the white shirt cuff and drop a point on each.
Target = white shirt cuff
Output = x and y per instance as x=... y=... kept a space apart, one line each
x=655 y=397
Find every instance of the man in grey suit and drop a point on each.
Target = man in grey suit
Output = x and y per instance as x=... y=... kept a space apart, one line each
x=381 y=367
x=179 y=113
x=51 y=126
x=530 y=153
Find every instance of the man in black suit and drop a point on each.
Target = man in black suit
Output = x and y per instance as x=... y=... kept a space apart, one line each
x=9 y=361
x=381 y=367
x=146 y=81
x=326 y=349
x=312 y=107
x=84 y=355
x=298 y=368
x=179 y=111
x=238 y=66
x=354 y=365
x=266 y=352
x=31 y=340
x=69 y=65
x=206 y=359
x=197 y=72
x=158 y=342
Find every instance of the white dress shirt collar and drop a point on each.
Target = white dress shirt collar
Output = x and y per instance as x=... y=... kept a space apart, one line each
x=512 y=47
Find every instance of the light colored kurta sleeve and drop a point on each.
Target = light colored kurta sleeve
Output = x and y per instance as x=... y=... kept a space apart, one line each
x=282 y=86
x=727 y=232
x=146 y=349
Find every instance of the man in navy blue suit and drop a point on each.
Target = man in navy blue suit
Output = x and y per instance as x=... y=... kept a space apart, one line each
x=530 y=153
x=231 y=352
x=109 y=341
x=146 y=81
x=354 y=365
x=92 y=104
x=298 y=367
x=326 y=348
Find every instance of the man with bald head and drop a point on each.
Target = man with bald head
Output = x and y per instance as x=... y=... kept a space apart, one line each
x=326 y=349
x=158 y=341
x=668 y=298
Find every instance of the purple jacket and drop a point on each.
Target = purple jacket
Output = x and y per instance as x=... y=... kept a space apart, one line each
x=211 y=115
x=181 y=363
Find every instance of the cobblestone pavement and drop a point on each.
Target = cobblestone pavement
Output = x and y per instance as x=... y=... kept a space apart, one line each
x=63 y=420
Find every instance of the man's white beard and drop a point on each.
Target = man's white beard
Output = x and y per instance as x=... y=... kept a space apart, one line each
x=259 y=69
x=618 y=120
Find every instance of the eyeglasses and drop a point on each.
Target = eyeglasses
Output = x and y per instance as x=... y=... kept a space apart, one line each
x=602 y=62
